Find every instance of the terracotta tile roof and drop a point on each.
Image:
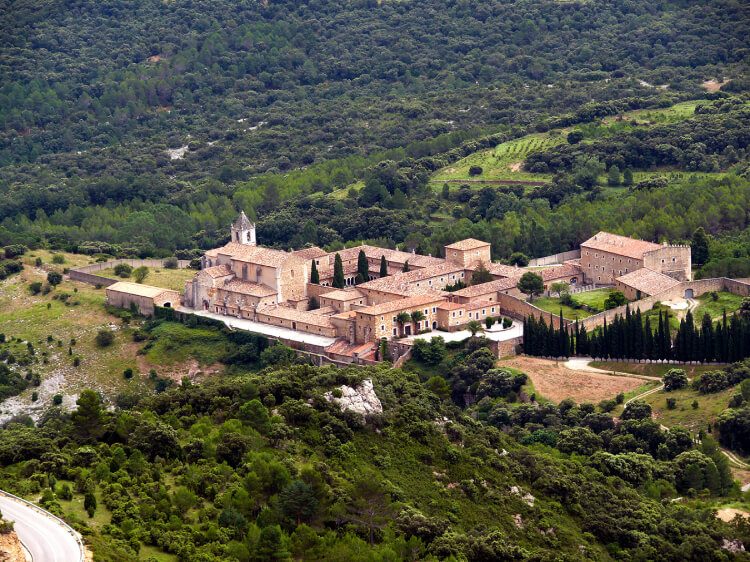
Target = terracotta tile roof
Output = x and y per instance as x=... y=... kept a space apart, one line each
x=295 y=315
x=247 y=288
x=479 y=304
x=310 y=253
x=252 y=254
x=343 y=347
x=620 y=245
x=344 y=295
x=559 y=271
x=500 y=269
x=400 y=283
x=396 y=256
x=218 y=271
x=468 y=244
x=450 y=306
x=400 y=304
x=137 y=289
x=323 y=311
x=486 y=288
x=326 y=272
x=647 y=281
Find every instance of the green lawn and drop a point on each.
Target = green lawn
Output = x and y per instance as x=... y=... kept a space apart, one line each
x=715 y=308
x=593 y=298
x=650 y=369
x=176 y=343
x=553 y=306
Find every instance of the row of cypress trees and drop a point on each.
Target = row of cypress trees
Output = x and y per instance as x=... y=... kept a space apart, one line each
x=629 y=337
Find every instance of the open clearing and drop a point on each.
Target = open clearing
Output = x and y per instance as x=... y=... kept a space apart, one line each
x=728 y=513
x=158 y=277
x=556 y=382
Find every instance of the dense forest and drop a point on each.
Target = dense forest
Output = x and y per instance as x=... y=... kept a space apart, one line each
x=211 y=108
x=465 y=465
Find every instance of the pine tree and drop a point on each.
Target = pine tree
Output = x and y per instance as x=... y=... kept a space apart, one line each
x=338 y=273
x=314 y=275
x=383 y=267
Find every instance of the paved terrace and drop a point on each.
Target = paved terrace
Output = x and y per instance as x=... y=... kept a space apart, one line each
x=260 y=328
x=515 y=331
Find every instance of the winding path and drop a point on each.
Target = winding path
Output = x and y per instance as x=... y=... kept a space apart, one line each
x=45 y=537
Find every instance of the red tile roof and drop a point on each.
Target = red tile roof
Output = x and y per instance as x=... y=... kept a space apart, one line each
x=620 y=245
x=253 y=254
x=218 y=271
x=647 y=281
x=486 y=288
x=399 y=304
x=247 y=288
x=467 y=244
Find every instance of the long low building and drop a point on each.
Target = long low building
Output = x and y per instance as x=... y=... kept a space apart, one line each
x=125 y=294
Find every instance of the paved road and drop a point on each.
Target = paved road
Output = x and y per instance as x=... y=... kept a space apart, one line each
x=46 y=539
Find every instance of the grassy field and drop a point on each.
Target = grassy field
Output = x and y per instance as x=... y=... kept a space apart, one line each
x=650 y=369
x=594 y=298
x=695 y=419
x=166 y=278
x=715 y=308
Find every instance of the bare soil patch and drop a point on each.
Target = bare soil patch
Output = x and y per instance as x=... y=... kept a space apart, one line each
x=516 y=166
x=190 y=369
x=713 y=85
x=728 y=513
x=452 y=170
x=556 y=382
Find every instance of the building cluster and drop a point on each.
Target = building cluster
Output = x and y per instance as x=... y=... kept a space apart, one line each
x=273 y=287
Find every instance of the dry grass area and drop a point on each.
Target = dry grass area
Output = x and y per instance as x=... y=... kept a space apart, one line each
x=713 y=86
x=728 y=513
x=556 y=382
x=158 y=277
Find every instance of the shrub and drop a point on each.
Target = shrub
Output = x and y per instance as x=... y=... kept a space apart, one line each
x=38 y=262
x=128 y=373
x=54 y=278
x=671 y=403
x=475 y=170
x=105 y=338
x=507 y=322
x=57 y=399
x=140 y=273
x=34 y=396
x=171 y=263
x=675 y=379
x=76 y=361
x=123 y=270
x=58 y=259
x=35 y=288
x=489 y=321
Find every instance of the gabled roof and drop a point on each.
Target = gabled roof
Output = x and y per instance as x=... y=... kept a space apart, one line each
x=218 y=271
x=400 y=304
x=253 y=254
x=137 y=289
x=500 y=269
x=486 y=288
x=343 y=295
x=242 y=222
x=467 y=244
x=395 y=256
x=559 y=271
x=310 y=253
x=647 y=281
x=620 y=245
x=403 y=283
x=248 y=288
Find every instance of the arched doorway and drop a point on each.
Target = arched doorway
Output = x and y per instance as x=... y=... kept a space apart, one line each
x=688 y=293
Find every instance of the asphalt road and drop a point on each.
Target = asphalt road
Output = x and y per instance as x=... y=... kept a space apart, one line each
x=46 y=539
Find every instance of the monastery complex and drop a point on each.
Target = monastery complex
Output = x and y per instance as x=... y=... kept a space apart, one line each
x=246 y=281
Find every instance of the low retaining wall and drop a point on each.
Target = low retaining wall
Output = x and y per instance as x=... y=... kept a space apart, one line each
x=85 y=273
x=521 y=309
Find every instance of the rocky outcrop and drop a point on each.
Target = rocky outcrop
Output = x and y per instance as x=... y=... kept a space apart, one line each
x=361 y=399
x=11 y=549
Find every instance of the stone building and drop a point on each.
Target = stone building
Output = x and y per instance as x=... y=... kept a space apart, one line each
x=124 y=294
x=606 y=256
x=381 y=321
x=466 y=252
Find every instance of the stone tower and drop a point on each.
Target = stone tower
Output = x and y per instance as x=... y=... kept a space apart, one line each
x=243 y=231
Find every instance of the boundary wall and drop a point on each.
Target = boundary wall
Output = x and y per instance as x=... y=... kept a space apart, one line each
x=555 y=258
x=85 y=273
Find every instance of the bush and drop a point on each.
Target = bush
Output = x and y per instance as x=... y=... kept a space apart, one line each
x=58 y=259
x=675 y=379
x=128 y=373
x=76 y=361
x=123 y=270
x=507 y=322
x=171 y=263
x=35 y=288
x=615 y=299
x=671 y=403
x=54 y=278
x=489 y=321
x=140 y=273
x=57 y=399
x=105 y=338
x=475 y=170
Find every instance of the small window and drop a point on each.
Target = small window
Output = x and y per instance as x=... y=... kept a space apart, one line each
x=383 y=318
x=674 y=260
x=460 y=312
x=454 y=253
x=395 y=333
x=454 y=314
x=382 y=327
x=426 y=311
x=292 y=274
x=470 y=314
x=493 y=310
x=434 y=309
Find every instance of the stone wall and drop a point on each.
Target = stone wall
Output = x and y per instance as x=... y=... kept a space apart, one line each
x=86 y=273
x=315 y=290
x=556 y=258
x=520 y=309
x=698 y=287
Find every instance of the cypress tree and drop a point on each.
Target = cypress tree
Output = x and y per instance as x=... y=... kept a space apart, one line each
x=338 y=273
x=383 y=267
x=363 y=267
x=314 y=275
x=667 y=338
x=406 y=266
x=649 y=340
x=707 y=338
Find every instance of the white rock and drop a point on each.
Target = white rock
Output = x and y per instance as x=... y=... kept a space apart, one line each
x=361 y=399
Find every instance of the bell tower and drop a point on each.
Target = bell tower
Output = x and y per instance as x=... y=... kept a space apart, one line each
x=243 y=231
